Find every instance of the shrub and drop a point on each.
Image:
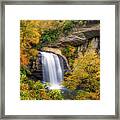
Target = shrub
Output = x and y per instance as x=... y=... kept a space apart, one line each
x=86 y=74
x=55 y=94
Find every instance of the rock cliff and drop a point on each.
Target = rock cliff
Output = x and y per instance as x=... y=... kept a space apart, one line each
x=83 y=39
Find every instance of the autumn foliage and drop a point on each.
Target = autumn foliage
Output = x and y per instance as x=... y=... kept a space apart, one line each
x=82 y=82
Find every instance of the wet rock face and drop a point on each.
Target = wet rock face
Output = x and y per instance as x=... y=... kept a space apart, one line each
x=93 y=43
x=53 y=50
x=35 y=67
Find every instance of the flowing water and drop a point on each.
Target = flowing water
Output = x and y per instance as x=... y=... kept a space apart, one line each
x=52 y=69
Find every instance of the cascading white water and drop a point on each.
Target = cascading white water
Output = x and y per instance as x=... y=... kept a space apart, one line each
x=52 y=69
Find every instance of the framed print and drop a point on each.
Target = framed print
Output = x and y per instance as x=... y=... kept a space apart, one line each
x=60 y=59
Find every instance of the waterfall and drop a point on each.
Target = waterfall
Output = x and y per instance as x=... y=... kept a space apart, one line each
x=52 y=69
